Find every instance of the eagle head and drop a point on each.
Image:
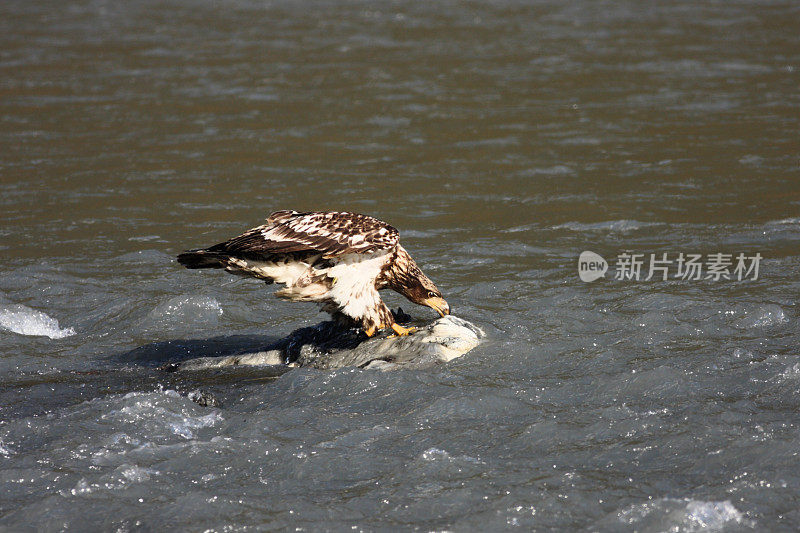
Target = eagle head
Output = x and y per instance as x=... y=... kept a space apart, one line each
x=429 y=295
x=407 y=279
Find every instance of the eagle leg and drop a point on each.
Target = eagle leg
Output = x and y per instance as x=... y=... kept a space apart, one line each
x=370 y=331
x=400 y=331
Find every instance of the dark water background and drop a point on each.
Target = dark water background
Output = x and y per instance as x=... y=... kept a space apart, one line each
x=502 y=139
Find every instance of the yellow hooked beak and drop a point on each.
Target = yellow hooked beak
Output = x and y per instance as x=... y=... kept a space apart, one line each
x=439 y=305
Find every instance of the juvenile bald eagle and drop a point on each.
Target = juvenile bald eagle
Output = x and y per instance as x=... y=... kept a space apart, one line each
x=339 y=260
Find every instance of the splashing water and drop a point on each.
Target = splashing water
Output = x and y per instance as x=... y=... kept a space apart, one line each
x=26 y=321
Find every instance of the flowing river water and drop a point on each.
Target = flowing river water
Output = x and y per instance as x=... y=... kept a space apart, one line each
x=503 y=139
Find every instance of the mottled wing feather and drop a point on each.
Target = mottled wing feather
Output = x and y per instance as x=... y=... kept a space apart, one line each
x=331 y=233
x=281 y=216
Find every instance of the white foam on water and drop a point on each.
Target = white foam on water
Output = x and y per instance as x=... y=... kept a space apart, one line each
x=437 y=454
x=763 y=316
x=148 y=410
x=183 y=305
x=619 y=226
x=26 y=321
x=5 y=451
x=682 y=515
x=784 y=222
x=711 y=515
x=188 y=309
x=555 y=170
x=82 y=487
x=433 y=454
x=123 y=476
x=790 y=372
x=136 y=474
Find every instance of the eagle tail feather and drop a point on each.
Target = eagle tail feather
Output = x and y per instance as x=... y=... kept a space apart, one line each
x=201 y=258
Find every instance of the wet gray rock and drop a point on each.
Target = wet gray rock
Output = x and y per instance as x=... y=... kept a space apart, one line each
x=327 y=345
x=204 y=398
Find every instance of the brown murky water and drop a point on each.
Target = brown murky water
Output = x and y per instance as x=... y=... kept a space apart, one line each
x=502 y=139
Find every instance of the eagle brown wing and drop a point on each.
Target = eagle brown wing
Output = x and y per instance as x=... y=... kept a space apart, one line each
x=331 y=233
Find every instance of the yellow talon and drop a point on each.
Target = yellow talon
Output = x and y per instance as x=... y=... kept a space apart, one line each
x=400 y=331
x=370 y=331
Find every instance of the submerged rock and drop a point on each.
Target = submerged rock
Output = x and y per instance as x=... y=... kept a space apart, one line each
x=327 y=345
x=204 y=398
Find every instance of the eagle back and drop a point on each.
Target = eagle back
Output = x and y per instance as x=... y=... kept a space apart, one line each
x=331 y=233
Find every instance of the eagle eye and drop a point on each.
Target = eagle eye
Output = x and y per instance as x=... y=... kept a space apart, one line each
x=431 y=294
